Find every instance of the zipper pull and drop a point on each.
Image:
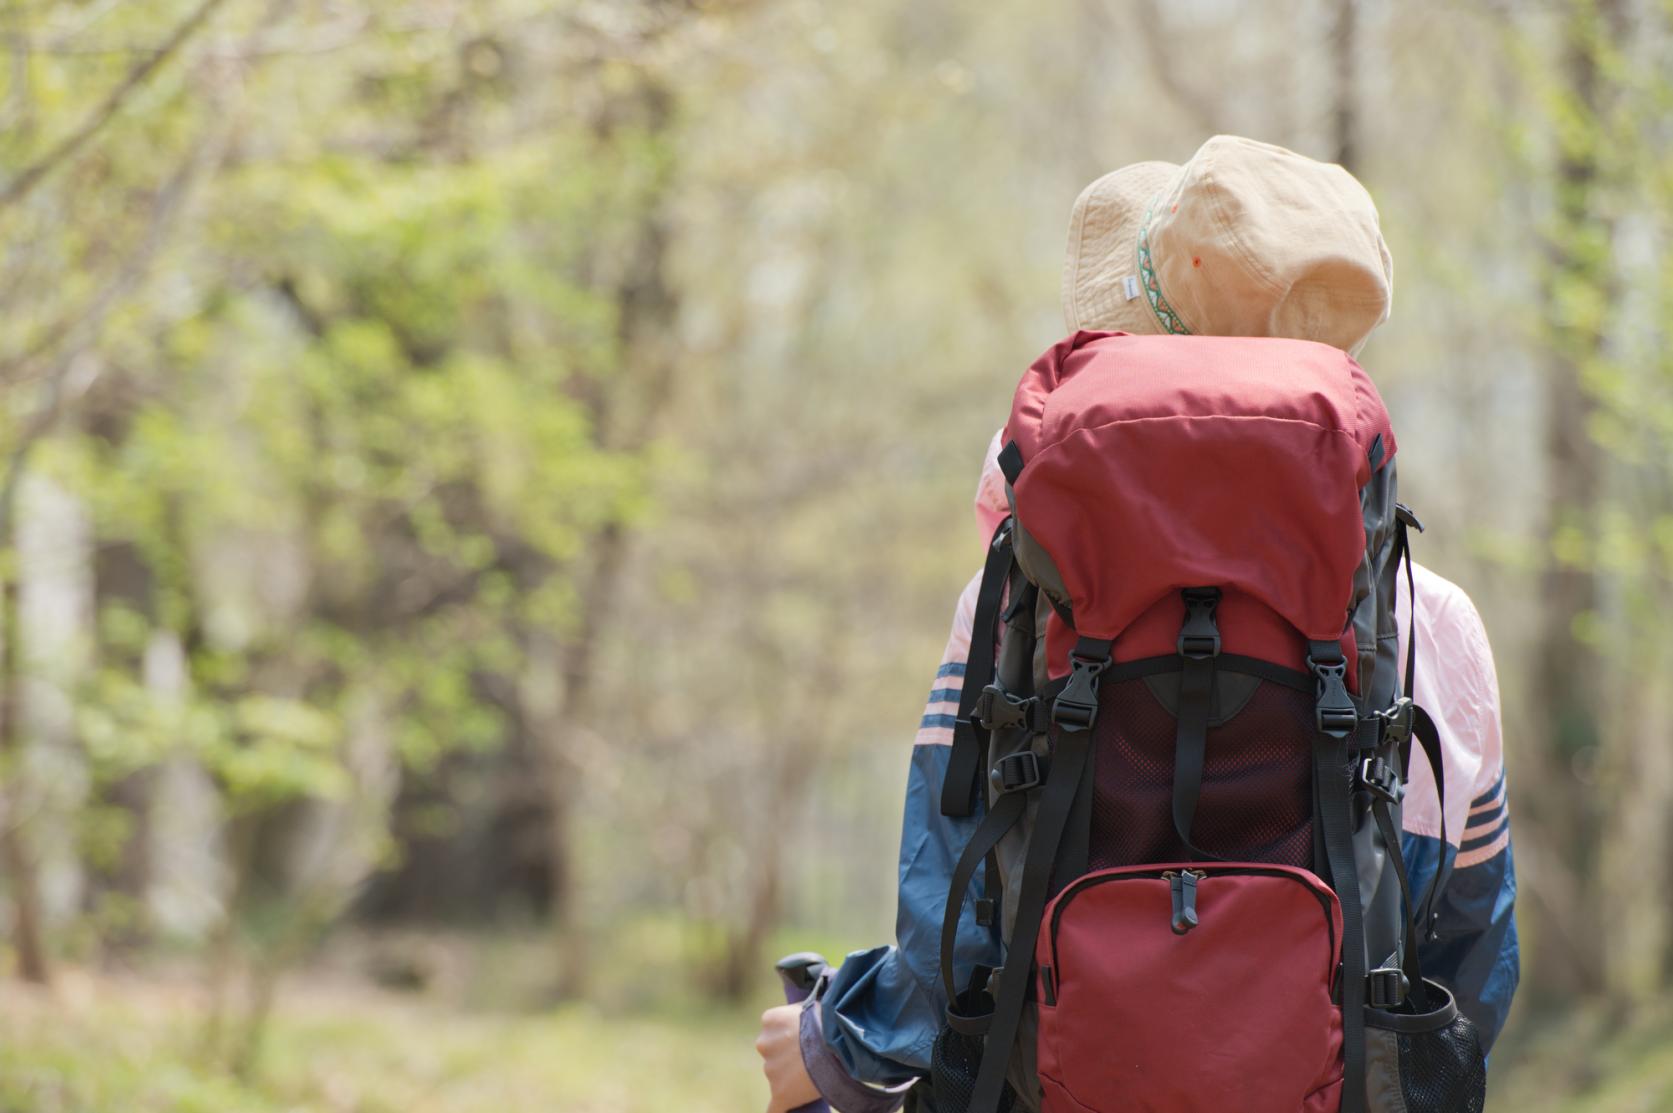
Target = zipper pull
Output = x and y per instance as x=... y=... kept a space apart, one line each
x=1183 y=887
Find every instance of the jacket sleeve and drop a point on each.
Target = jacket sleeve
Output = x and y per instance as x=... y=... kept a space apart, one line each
x=869 y=1034
x=1473 y=947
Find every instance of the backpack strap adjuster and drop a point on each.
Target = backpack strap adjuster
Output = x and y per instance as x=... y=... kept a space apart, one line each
x=1018 y=772
x=1377 y=776
x=1199 y=637
x=997 y=709
x=1336 y=714
x=1386 y=987
x=1394 y=724
x=1076 y=706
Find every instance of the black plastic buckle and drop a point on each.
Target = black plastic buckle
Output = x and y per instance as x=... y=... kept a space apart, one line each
x=1018 y=772
x=1386 y=987
x=1377 y=776
x=1199 y=637
x=1336 y=714
x=997 y=709
x=1396 y=722
x=1076 y=706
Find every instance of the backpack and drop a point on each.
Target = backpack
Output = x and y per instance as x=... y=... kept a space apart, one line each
x=1185 y=715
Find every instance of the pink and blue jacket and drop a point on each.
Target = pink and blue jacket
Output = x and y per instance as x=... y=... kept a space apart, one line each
x=869 y=1035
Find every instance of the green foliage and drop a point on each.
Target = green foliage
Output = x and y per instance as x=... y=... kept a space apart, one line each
x=365 y=363
x=332 y=357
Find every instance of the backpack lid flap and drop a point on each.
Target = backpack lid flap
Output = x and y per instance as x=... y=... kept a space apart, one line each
x=1154 y=463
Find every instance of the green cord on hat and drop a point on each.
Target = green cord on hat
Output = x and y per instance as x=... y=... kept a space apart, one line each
x=1165 y=314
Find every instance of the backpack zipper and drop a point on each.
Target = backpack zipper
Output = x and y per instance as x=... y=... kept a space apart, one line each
x=1183 y=885
x=1178 y=886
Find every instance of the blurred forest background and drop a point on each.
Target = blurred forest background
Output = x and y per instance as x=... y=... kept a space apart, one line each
x=483 y=485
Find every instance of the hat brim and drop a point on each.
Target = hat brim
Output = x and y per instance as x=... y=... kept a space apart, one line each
x=1103 y=250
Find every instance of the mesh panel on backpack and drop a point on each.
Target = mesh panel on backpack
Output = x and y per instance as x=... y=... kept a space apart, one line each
x=1443 y=1071
x=1256 y=802
x=956 y=1060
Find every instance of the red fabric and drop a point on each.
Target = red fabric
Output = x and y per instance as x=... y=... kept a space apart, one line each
x=1235 y=1014
x=1154 y=463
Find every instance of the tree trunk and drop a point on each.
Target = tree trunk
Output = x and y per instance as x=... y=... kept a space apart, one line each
x=1635 y=934
x=121 y=576
x=1568 y=665
x=1636 y=715
x=625 y=417
x=799 y=742
x=28 y=928
x=742 y=963
x=1344 y=117
x=565 y=771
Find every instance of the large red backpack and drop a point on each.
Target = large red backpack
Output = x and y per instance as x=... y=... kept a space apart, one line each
x=1185 y=717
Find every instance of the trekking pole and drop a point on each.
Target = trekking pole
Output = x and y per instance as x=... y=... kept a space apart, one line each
x=800 y=973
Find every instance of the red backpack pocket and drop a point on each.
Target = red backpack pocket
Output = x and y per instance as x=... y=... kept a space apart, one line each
x=1193 y=988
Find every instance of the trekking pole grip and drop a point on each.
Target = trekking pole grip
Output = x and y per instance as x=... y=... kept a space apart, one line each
x=800 y=973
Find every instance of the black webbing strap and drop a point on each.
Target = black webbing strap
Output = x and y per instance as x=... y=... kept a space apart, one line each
x=1015 y=670
x=964 y=764
x=1075 y=847
x=1333 y=786
x=1000 y=819
x=1069 y=761
x=1403 y=553
x=1190 y=745
x=1199 y=645
x=1411 y=965
x=1423 y=729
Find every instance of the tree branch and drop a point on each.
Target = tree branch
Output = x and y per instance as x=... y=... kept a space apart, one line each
x=32 y=176
x=77 y=333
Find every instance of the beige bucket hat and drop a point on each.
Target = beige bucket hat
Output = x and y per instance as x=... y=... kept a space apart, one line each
x=1245 y=239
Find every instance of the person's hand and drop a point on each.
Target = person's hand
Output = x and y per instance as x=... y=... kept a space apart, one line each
x=780 y=1046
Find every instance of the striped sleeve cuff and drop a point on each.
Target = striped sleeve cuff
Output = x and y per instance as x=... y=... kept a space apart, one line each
x=936 y=727
x=1487 y=830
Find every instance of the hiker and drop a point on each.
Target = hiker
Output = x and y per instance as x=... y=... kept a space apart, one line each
x=1244 y=240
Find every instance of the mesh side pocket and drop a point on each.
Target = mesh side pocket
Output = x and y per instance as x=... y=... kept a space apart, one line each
x=1443 y=1071
x=956 y=1059
x=1425 y=1062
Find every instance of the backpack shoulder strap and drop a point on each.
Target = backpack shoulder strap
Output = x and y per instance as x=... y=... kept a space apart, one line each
x=964 y=767
x=1423 y=729
x=1073 y=715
